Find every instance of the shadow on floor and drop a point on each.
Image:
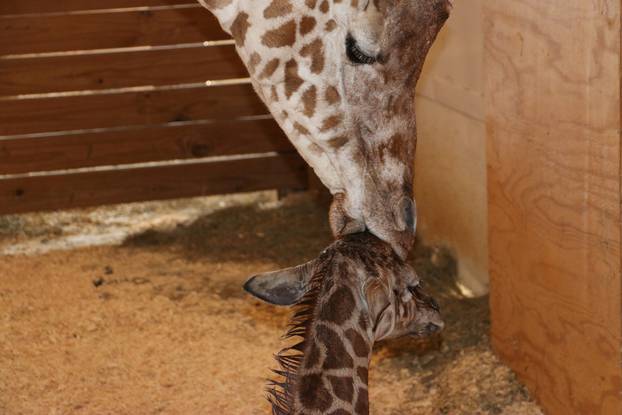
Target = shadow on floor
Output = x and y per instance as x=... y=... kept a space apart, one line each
x=287 y=235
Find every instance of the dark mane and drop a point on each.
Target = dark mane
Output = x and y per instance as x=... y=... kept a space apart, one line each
x=290 y=358
x=363 y=248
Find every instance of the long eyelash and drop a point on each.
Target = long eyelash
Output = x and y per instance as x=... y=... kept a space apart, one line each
x=355 y=54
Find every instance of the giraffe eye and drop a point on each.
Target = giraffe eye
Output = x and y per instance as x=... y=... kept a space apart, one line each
x=356 y=55
x=415 y=289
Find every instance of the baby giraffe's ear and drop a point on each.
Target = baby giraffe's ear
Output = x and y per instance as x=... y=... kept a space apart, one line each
x=282 y=287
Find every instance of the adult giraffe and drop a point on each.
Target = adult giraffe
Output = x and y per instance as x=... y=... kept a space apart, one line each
x=339 y=77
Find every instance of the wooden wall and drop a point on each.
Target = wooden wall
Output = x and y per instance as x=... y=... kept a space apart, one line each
x=450 y=182
x=126 y=100
x=553 y=122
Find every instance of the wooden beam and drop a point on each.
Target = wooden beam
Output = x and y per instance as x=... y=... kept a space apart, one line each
x=117 y=70
x=128 y=108
x=553 y=122
x=139 y=145
x=71 y=190
x=112 y=29
x=46 y=6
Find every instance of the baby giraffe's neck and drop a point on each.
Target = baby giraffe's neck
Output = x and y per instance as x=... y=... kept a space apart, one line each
x=332 y=376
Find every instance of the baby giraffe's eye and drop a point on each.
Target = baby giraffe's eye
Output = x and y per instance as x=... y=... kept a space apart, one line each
x=414 y=289
x=356 y=55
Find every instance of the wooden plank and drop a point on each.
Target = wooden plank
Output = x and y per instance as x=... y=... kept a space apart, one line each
x=37 y=34
x=47 y=6
x=150 y=183
x=115 y=70
x=131 y=108
x=141 y=145
x=553 y=97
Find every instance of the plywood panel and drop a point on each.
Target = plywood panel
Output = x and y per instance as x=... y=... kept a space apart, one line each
x=116 y=70
x=139 y=145
x=117 y=29
x=131 y=108
x=47 y=6
x=553 y=104
x=450 y=168
x=150 y=183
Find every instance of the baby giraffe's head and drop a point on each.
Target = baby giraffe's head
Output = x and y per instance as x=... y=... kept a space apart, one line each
x=361 y=278
x=339 y=77
x=357 y=292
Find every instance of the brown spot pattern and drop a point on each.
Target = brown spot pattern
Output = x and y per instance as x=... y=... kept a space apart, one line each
x=309 y=101
x=307 y=24
x=338 y=358
x=301 y=129
x=362 y=403
x=284 y=35
x=363 y=374
x=313 y=394
x=270 y=68
x=315 y=50
x=277 y=8
x=342 y=387
x=397 y=145
x=217 y=4
x=275 y=95
x=311 y=4
x=313 y=357
x=315 y=149
x=239 y=27
x=254 y=60
x=292 y=79
x=324 y=7
x=331 y=25
x=339 y=306
x=332 y=95
x=355 y=4
x=330 y=123
x=338 y=141
x=358 y=343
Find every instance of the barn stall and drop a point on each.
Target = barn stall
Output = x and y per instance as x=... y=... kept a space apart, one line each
x=146 y=100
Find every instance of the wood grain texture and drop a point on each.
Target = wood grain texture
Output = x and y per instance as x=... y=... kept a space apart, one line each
x=117 y=70
x=119 y=29
x=139 y=145
x=47 y=6
x=553 y=123
x=154 y=183
x=131 y=108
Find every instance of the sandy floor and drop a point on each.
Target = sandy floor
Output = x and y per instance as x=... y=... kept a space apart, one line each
x=159 y=324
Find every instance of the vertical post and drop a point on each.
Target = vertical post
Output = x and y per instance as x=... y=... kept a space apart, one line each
x=552 y=73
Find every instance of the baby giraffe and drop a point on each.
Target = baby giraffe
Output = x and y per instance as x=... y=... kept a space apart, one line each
x=357 y=292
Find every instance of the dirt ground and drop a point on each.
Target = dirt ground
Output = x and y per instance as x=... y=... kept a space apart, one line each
x=158 y=323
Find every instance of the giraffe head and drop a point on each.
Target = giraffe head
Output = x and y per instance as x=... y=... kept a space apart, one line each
x=339 y=77
x=357 y=292
x=373 y=283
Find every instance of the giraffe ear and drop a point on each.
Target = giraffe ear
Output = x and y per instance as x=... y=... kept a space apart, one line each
x=282 y=287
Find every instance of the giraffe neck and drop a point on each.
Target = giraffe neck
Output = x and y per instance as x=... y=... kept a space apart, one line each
x=333 y=375
x=330 y=375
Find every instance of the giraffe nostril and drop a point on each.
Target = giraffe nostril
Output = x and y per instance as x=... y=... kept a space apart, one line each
x=406 y=215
